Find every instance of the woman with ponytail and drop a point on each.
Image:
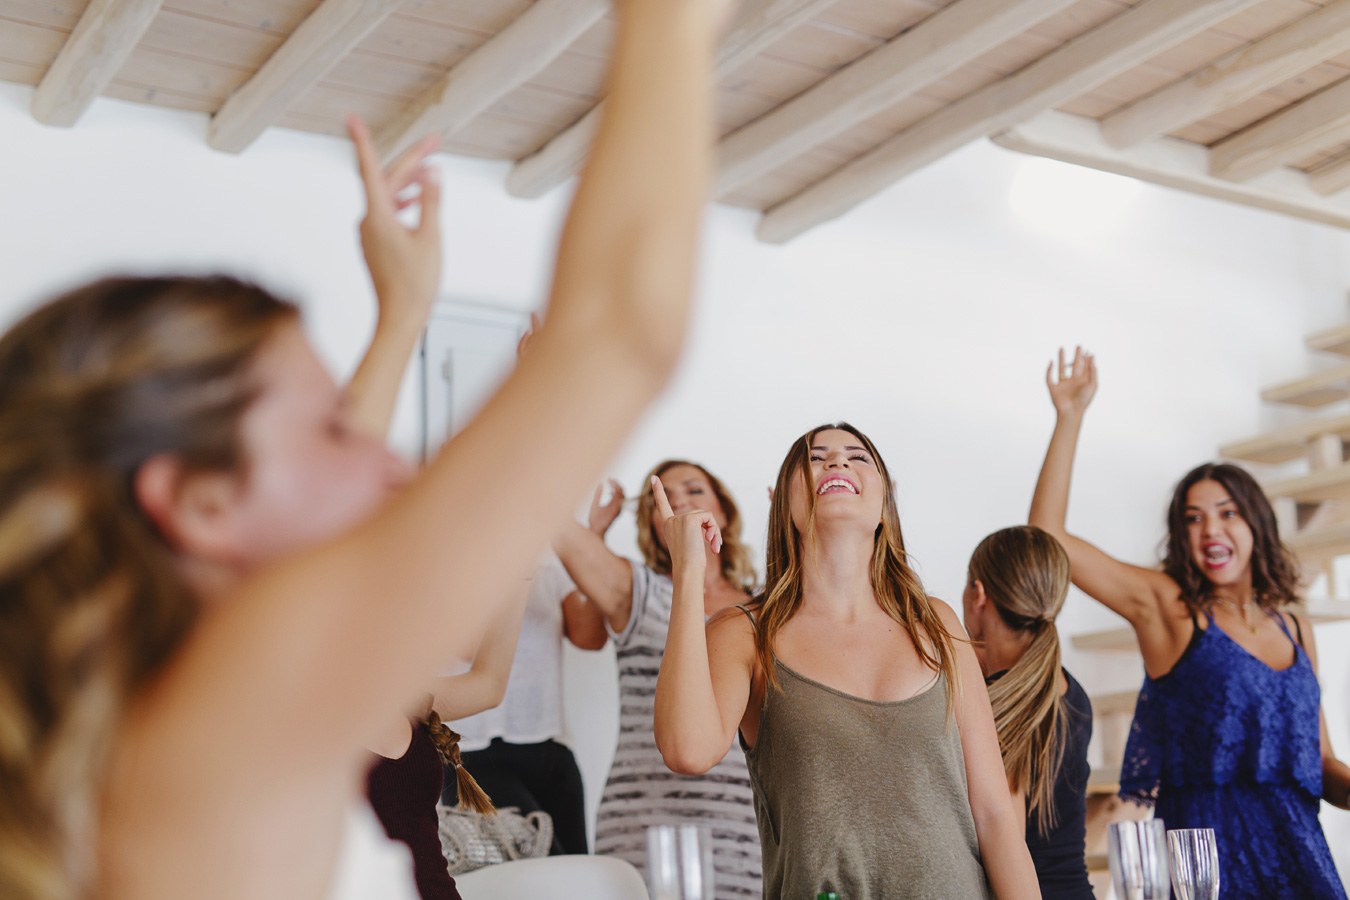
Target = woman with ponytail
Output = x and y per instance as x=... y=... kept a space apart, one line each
x=1015 y=588
x=216 y=591
x=858 y=701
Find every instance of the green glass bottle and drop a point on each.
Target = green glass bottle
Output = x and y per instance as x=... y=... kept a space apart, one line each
x=827 y=895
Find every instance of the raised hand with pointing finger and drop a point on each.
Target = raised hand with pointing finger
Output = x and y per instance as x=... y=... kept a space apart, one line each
x=685 y=534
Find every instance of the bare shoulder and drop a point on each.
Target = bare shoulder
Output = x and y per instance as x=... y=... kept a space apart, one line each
x=1303 y=633
x=948 y=617
x=731 y=620
x=731 y=630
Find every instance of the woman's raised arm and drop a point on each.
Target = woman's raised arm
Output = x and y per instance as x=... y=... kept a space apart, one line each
x=333 y=639
x=706 y=674
x=1132 y=591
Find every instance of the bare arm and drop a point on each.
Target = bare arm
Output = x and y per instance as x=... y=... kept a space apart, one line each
x=999 y=828
x=604 y=578
x=706 y=673
x=484 y=685
x=1148 y=599
x=583 y=622
x=358 y=626
x=404 y=303
x=1335 y=773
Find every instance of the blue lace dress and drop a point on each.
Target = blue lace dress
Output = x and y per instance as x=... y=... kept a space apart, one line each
x=1223 y=741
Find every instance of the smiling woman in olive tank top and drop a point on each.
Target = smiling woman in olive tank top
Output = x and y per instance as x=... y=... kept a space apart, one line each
x=868 y=732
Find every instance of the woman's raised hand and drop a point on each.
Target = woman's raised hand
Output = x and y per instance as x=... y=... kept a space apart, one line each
x=404 y=261
x=1072 y=385
x=604 y=510
x=686 y=533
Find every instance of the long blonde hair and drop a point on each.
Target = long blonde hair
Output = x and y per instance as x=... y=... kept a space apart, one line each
x=899 y=591
x=734 y=557
x=1025 y=573
x=92 y=385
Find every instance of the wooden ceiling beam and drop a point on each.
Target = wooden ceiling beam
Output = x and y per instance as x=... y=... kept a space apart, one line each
x=92 y=55
x=512 y=57
x=1332 y=176
x=918 y=57
x=1171 y=162
x=1318 y=122
x=320 y=42
x=1069 y=71
x=758 y=24
x=1235 y=77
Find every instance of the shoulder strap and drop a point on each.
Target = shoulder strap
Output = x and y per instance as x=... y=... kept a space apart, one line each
x=1298 y=629
x=748 y=614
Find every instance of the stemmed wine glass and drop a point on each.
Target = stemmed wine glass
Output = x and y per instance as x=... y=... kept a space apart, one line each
x=1137 y=853
x=1195 y=863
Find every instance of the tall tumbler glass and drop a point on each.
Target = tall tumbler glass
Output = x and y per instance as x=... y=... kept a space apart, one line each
x=1137 y=853
x=1195 y=863
x=679 y=862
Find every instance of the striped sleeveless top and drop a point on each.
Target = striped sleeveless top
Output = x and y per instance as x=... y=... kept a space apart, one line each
x=641 y=791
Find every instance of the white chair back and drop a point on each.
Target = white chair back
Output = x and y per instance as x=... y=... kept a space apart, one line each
x=554 y=878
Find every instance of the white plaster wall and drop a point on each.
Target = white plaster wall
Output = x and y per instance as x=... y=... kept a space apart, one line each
x=925 y=317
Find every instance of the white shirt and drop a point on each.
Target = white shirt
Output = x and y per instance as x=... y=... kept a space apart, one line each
x=532 y=709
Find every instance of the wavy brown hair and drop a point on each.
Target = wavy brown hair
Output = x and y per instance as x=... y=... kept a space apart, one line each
x=1275 y=571
x=92 y=385
x=1025 y=574
x=734 y=557
x=898 y=589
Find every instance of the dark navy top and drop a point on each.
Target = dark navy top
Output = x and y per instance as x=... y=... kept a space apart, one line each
x=1060 y=855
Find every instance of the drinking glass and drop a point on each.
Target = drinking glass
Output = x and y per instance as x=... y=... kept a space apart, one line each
x=1137 y=853
x=1195 y=863
x=679 y=862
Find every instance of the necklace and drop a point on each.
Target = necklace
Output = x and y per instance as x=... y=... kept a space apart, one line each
x=1241 y=609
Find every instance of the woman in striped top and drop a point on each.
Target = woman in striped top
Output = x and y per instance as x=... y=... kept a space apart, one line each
x=633 y=599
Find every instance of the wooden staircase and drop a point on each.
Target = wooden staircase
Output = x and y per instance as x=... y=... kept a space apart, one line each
x=1313 y=512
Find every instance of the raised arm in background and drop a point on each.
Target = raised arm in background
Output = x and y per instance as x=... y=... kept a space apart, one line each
x=1147 y=598
x=707 y=675
x=404 y=293
x=604 y=579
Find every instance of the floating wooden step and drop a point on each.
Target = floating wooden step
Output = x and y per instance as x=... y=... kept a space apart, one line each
x=1318 y=611
x=1319 y=389
x=1285 y=444
x=1116 y=703
x=1107 y=640
x=1332 y=340
x=1315 y=487
x=1321 y=545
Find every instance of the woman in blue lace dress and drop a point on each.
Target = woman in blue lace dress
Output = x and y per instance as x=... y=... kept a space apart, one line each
x=1228 y=732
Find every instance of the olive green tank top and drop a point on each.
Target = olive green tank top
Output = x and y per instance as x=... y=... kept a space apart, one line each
x=862 y=797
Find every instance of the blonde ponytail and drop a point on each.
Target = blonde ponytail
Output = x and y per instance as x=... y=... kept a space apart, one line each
x=1025 y=573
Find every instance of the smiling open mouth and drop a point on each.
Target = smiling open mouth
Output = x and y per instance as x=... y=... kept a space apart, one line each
x=836 y=486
